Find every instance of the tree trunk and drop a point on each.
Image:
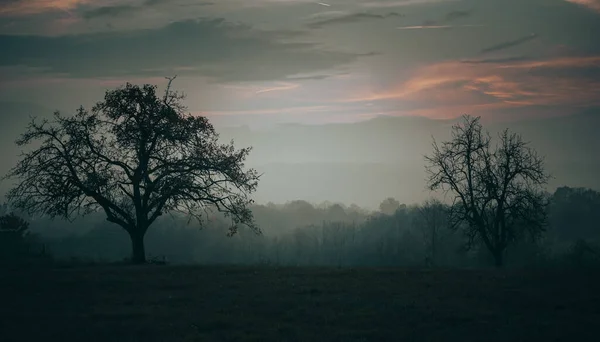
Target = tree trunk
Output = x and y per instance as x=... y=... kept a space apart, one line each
x=498 y=258
x=138 y=255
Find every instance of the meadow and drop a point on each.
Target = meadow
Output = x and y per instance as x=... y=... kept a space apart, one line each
x=230 y=303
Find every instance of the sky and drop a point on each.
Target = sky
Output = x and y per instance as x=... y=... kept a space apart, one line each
x=260 y=62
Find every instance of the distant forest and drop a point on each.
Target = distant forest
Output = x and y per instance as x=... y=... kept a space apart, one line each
x=301 y=233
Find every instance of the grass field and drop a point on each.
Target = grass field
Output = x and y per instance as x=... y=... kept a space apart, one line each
x=164 y=303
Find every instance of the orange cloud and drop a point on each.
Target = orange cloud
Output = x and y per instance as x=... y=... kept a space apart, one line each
x=592 y=4
x=519 y=83
x=38 y=6
x=564 y=62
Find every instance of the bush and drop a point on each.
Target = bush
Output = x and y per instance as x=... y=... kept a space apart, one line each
x=17 y=245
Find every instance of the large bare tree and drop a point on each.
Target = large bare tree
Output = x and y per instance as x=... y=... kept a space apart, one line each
x=135 y=156
x=497 y=190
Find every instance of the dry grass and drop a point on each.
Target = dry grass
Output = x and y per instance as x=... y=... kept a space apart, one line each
x=154 y=303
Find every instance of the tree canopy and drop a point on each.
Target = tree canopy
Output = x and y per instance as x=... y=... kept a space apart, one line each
x=135 y=155
x=497 y=190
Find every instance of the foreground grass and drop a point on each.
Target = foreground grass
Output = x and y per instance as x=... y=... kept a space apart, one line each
x=152 y=303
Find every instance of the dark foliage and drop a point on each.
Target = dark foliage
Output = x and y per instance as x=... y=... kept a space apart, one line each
x=18 y=246
x=14 y=232
x=135 y=156
x=497 y=191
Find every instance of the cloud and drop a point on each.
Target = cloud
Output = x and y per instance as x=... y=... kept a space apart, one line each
x=212 y=48
x=569 y=62
x=110 y=11
x=160 y=2
x=591 y=4
x=431 y=26
x=25 y=7
x=509 y=44
x=282 y=87
x=495 y=60
x=253 y=90
x=454 y=15
x=444 y=23
x=400 y=3
x=562 y=81
x=315 y=77
x=119 y=10
x=449 y=17
x=92 y=9
x=352 y=18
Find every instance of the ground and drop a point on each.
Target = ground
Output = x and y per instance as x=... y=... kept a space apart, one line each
x=168 y=303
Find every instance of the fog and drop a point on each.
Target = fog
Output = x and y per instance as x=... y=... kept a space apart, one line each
x=343 y=226
x=364 y=162
x=293 y=170
x=299 y=233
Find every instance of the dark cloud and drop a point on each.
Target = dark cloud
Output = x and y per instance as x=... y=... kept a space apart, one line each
x=580 y=72
x=352 y=18
x=8 y=2
x=446 y=20
x=119 y=10
x=496 y=60
x=9 y=6
x=369 y=54
x=155 y=2
x=208 y=47
x=509 y=44
x=161 y=2
x=109 y=11
x=454 y=15
x=430 y=23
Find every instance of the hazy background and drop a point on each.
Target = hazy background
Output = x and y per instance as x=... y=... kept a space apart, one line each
x=339 y=99
x=365 y=162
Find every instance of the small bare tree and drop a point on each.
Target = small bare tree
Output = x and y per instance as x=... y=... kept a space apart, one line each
x=497 y=190
x=135 y=156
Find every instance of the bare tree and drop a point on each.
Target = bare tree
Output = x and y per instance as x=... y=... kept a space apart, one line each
x=497 y=190
x=434 y=216
x=135 y=156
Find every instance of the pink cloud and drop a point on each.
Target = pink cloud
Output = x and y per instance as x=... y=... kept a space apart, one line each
x=520 y=83
x=38 y=6
x=591 y=4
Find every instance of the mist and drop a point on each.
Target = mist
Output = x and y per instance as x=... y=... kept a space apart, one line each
x=364 y=162
x=290 y=170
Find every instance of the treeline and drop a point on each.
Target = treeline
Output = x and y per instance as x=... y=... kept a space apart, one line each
x=299 y=233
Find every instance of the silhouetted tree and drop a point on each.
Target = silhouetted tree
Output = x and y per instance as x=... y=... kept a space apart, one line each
x=135 y=156
x=13 y=234
x=497 y=190
x=575 y=213
x=389 y=206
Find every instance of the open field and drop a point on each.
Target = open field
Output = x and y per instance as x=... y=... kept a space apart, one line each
x=163 y=303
